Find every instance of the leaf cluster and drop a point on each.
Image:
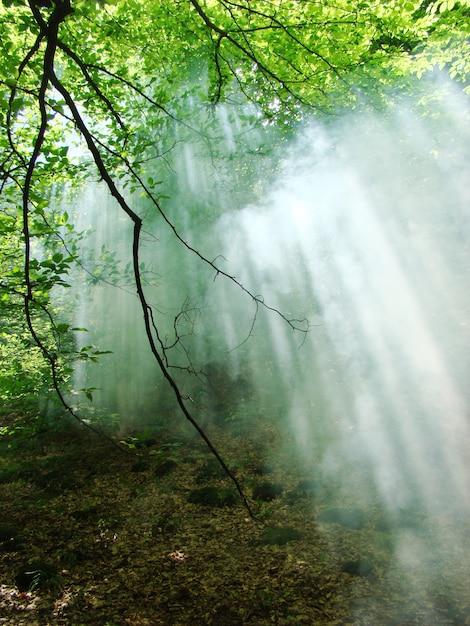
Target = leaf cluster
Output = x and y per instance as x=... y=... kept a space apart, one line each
x=106 y=90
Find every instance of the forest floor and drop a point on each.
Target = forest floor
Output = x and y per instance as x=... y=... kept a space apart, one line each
x=155 y=535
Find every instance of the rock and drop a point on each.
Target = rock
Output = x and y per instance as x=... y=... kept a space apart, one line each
x=209 y=471
x=165 y=467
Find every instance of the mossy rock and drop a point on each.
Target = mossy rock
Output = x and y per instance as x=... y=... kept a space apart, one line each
x=212 y=496
x=274 y=535
x=165 y=467
x=210 y=470
x=267 y=491
x=354 y=519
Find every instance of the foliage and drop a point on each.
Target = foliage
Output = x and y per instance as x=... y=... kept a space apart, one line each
x=104 y=91
x=36 y=575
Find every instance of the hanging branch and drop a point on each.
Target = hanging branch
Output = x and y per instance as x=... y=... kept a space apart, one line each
x=247 y=51
x=49 y=77
x=301 y=325
x=49 y=32
x=146 y=309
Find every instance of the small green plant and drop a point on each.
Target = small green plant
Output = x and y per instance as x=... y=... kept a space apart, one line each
x=166 y=451
x=36 y=576
x=140 y=440
x=130 y=442
x=99 y=417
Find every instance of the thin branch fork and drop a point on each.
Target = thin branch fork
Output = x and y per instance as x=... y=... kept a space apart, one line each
x=50 y=31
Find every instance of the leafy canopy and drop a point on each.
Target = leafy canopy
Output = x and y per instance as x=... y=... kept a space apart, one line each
x=102 y=89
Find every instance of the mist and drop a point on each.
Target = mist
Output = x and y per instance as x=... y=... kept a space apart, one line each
x=361 y=227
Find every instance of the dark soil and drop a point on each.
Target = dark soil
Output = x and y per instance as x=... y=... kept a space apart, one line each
x=91 y=534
